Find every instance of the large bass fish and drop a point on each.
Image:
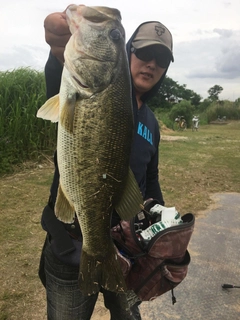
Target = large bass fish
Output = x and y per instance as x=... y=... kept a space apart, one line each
x=95 y=131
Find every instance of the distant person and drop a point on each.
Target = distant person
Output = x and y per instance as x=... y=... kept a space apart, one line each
x=195 y=122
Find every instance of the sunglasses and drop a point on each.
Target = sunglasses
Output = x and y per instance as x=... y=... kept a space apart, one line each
x=146 y=54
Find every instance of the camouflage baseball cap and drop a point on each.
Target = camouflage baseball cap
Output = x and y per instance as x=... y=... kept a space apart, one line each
x=152 y=33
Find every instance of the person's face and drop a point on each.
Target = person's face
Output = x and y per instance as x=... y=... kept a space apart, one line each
x=146 y=74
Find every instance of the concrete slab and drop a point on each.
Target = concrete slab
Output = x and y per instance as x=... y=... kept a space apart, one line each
x=215 y=256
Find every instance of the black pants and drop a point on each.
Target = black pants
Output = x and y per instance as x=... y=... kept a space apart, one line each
x=65 y=300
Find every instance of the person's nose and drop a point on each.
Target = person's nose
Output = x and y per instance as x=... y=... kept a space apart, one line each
x=152 y=64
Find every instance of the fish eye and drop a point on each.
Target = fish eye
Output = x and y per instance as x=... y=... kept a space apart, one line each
x=115 y=34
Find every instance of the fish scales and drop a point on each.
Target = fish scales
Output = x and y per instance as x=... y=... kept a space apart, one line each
x=95 y=134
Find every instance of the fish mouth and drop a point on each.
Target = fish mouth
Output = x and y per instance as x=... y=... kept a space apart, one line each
x=80 y=83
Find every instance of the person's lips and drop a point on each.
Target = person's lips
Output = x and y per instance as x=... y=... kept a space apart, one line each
x=147 y=74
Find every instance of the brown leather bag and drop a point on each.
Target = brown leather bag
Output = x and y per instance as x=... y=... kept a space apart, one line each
x=158 y=266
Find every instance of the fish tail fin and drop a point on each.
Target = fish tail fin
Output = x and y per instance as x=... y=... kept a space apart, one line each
x=103 y=272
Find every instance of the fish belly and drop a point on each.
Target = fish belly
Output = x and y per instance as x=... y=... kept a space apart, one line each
x=93 y=163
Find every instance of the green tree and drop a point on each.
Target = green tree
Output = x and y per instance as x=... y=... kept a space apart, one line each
x=191 y=96
x=171 y=92
x=168 y=89
x=237 y=102
x=204 y=105
x=185 y=109
x=214 y=92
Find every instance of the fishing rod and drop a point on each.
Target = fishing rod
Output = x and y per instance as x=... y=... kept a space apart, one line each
x=227 y=286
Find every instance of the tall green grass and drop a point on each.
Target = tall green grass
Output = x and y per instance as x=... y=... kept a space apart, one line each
x=228 y=109
x=215 y=109
x=25 y=137
x=22 y=135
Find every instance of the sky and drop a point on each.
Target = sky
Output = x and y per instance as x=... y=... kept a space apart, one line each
x=206 y=37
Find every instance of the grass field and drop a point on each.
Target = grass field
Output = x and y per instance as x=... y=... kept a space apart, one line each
x=193 y=165
x=198 y=164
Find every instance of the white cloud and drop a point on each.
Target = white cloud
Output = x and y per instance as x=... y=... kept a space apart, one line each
x=27 y=56
x=206 y=37
x=208 y=61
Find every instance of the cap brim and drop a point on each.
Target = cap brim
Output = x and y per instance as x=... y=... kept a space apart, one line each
x=145 y=43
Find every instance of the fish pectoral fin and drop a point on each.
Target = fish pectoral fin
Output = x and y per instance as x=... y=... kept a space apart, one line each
x=50 y=109
x=64 y=210
x=67 y=113
x=131 y=202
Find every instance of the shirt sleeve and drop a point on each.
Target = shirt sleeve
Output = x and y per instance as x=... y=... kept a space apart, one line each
x=53 y=74
x=153 y=189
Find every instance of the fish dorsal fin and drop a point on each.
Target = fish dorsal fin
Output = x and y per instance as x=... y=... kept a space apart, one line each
x=131 y=201
x=64 y=210
x=50 y=109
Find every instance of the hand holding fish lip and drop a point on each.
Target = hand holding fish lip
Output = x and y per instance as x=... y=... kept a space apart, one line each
x=96 y=14
x=57 y=33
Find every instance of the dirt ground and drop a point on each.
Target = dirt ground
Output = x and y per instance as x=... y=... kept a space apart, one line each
x=21 y=294
x=172 y=138
x=22 y=198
